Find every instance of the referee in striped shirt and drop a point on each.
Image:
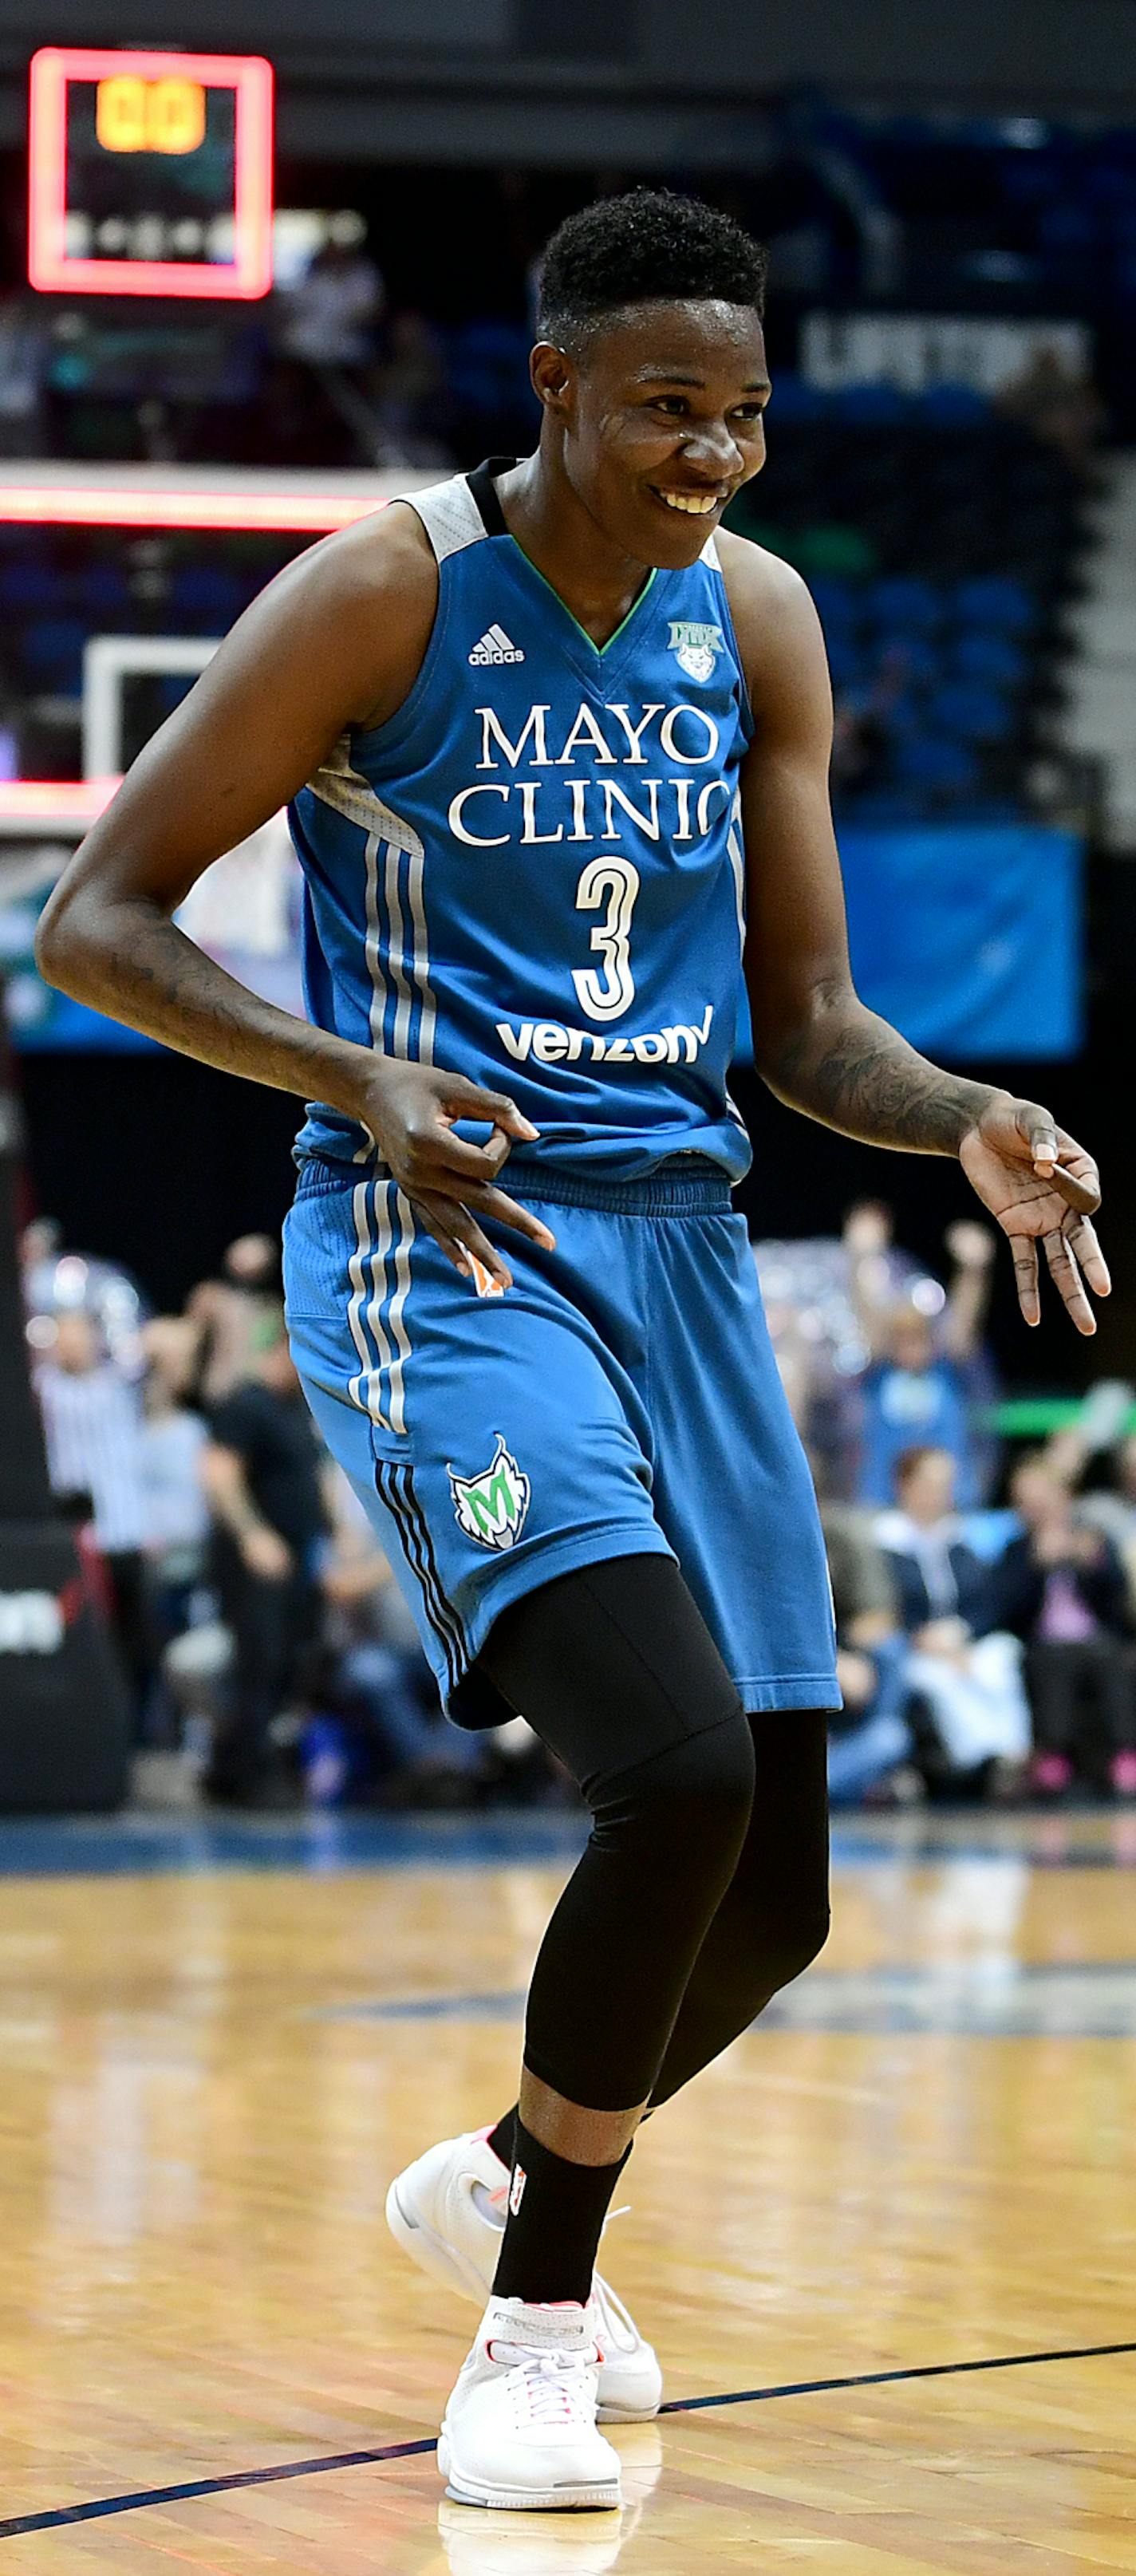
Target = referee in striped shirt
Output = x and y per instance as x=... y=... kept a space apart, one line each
x=92 y=1432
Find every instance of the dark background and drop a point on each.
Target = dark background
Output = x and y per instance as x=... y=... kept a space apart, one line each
x=361 y=75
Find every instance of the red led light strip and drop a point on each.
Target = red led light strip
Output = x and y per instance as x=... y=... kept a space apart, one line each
x=50 y=269
x=78 y=505
x=54 y=801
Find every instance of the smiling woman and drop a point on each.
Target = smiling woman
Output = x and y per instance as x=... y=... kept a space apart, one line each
x=522 y=719
x=650 y=324
x=643 y=248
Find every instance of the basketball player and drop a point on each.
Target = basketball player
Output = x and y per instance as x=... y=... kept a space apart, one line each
x=547 y=737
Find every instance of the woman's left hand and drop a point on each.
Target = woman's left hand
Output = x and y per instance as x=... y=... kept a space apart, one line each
x=1043 y=1188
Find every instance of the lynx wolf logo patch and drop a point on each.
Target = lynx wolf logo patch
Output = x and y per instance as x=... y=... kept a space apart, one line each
x=492 y=1507
x=697 y=647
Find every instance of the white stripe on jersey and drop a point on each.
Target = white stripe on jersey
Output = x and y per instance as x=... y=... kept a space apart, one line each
x=401 y=1041
x=373 y=940
x=736 y=848
x=342 y=787
x=416 y=890
x=408 y=962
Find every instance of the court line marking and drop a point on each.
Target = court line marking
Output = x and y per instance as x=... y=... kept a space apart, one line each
x=101 y=2506
x=915 y=2000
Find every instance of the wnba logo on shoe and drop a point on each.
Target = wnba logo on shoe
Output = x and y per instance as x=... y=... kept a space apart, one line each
x=517 y=2188
x=492 y=1507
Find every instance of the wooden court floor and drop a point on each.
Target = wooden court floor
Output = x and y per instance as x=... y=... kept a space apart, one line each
x=869 y=2230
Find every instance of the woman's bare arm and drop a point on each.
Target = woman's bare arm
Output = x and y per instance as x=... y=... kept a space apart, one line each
x=335 y=641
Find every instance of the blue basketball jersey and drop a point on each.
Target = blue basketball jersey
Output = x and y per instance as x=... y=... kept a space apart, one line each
x=533 y=874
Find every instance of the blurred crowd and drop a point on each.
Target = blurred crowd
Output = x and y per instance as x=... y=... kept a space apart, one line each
x=985 y=1609
x=327 y=370
x=263 y=1640
x=985 y=1606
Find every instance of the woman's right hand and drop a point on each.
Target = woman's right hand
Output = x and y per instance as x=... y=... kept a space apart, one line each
x=410 y=1110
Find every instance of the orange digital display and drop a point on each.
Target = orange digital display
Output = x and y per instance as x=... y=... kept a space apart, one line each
x=135 y=115
x=149 y=173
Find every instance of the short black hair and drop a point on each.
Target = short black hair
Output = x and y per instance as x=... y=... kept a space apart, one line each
x=646 y=247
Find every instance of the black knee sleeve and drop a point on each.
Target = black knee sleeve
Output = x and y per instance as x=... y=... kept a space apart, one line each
x=690 y=1803
x=610 y=1664
x=773 y=1918
x=801 y=1941
x=620 y=1948
x=617 y=1671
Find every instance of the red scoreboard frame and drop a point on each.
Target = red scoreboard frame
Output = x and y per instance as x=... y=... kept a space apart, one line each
x=50 y=268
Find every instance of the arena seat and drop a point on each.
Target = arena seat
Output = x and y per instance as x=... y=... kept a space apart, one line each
x=936 y=762
x=53 y=653
x=971 y=712
x=979 y=655
x=993 y=600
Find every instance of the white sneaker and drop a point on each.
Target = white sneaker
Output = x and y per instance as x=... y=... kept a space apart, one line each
x=520 y=2429
x=447 y=2211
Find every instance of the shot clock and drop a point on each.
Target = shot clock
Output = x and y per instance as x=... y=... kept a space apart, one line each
x=150 y=173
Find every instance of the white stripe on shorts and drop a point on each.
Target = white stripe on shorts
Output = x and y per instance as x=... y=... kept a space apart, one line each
x=364 y=1388
x=397 y=1316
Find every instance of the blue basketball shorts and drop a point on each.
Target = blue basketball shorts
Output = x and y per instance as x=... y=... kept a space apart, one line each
x=621 y=1398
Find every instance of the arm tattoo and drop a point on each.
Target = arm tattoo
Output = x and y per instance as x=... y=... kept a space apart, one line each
x=852 y=1071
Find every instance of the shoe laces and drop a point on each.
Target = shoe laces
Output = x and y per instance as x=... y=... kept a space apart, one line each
x=613 y=2315
x=548 y=2387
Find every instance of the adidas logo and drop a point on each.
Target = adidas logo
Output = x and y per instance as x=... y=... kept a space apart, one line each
x=495 y=647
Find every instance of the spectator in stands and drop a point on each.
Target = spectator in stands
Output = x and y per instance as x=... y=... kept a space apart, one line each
x=23 y=372
x=963 y=1673
x=820 y=1295
x=860 y=745
x=918 y=1388
x=870 y=1741
x=1114 y=1512
x=404 y=386
x=862 y=727
x=877 y=1271
x=262 y=1477
x=330 y=316
x=172 y=1442
x=39 y=1249
x=1056 y=402
x=11 y=710
x=93 y=1437
x=325 y=327
x=55 y=1281
x=1061 y=1588
x=232 y=1312
x=373 y=1673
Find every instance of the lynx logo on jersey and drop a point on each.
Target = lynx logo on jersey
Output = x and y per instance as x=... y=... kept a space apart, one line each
x=697 y=647
x=493 y=1506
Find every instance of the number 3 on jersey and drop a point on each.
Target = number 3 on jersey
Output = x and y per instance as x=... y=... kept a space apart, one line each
x=614 y=882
